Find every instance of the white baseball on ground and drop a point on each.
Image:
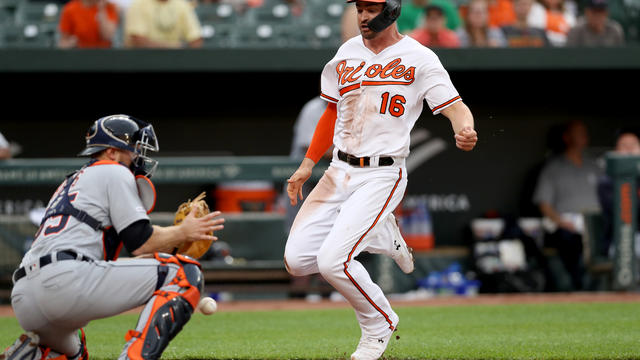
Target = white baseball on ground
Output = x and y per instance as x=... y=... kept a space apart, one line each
x=207 y=306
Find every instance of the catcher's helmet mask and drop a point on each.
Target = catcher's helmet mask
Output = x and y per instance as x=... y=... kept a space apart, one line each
x=390 y=13
x=127 y=133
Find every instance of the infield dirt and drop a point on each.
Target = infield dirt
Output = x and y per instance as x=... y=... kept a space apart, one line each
x=493 y=299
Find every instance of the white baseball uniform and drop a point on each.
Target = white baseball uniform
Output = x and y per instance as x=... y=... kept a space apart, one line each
x=379 y=98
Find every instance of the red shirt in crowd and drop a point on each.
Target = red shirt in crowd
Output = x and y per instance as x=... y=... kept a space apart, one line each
x=80 y=21
x=445 y=38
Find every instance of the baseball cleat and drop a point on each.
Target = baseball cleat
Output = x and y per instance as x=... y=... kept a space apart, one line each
x=401 y=253
x=26 y=347
x=371 y=348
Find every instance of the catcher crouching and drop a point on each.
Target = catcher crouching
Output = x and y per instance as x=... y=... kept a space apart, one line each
x=70 y=277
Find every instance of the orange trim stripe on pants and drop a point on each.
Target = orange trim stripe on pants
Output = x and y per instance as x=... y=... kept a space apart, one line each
x=346 y=263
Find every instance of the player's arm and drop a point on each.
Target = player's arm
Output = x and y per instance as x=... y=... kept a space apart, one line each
x=106 y=24
x=192 y=29
x=107 y=28
x=67 y=41
x=544 y=197
x=5 y=153
x=197 y=43
x=166 y=238
x=462 y=122
x=549 y=212
x=320 y=143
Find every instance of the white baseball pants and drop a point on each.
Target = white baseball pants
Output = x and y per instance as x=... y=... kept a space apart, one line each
x=347 y=213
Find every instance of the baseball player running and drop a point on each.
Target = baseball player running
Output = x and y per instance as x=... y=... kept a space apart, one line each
x=375 y=86
x=69 y=276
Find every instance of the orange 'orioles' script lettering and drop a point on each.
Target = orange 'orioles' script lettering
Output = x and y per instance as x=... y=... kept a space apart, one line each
x=393 y=73
x=346 y=73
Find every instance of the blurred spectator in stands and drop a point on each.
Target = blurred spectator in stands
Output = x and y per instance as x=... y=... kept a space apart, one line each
x=5 y=148
x=162 y=24
x=557 y=17
x=501 y=13
x=596 y=28
x=520 y=34
x=434 y=33
x=476 y=31
x=305 y=125
x=627 y=144
x=295 y=6
x=349 y=23
x=412 y=14
x=87 y=24
x=239 y=6
x=567 y=187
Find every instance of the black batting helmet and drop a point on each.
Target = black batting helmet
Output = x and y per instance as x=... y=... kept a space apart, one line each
x=388 y=16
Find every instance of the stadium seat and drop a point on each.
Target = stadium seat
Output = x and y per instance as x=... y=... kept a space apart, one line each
x=25 y=36
x=627 y=13
x=218 y=35
x=263 y=36
x=7 y=11
x=327 y=35
x=29 y=12
x=9 y=34
x=36 y=24
x=6 y=16
x=327 y=11
x=323 y=35
x=272 y=12
x=9 y=4
x=216 y=13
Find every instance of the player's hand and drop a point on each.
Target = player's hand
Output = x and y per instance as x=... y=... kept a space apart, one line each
x=201 y=228
x=567 y=225
x=466 y=139
x=295 y=182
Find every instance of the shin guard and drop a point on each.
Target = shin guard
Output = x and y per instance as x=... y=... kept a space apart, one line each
x=167 y=311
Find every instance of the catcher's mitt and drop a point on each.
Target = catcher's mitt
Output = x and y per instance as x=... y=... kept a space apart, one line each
x=198 y=248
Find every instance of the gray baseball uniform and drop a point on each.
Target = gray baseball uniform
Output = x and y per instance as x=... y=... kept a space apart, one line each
x=70 y=277
x=58 y=299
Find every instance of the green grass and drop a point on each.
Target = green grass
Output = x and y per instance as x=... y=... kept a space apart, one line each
x=541 y=331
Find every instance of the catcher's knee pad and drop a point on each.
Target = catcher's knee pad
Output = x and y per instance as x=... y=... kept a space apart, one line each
x=189 y=270
x=169 y=309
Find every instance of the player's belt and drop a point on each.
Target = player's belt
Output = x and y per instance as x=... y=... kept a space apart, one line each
x=363 y=161
x=48 y=259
